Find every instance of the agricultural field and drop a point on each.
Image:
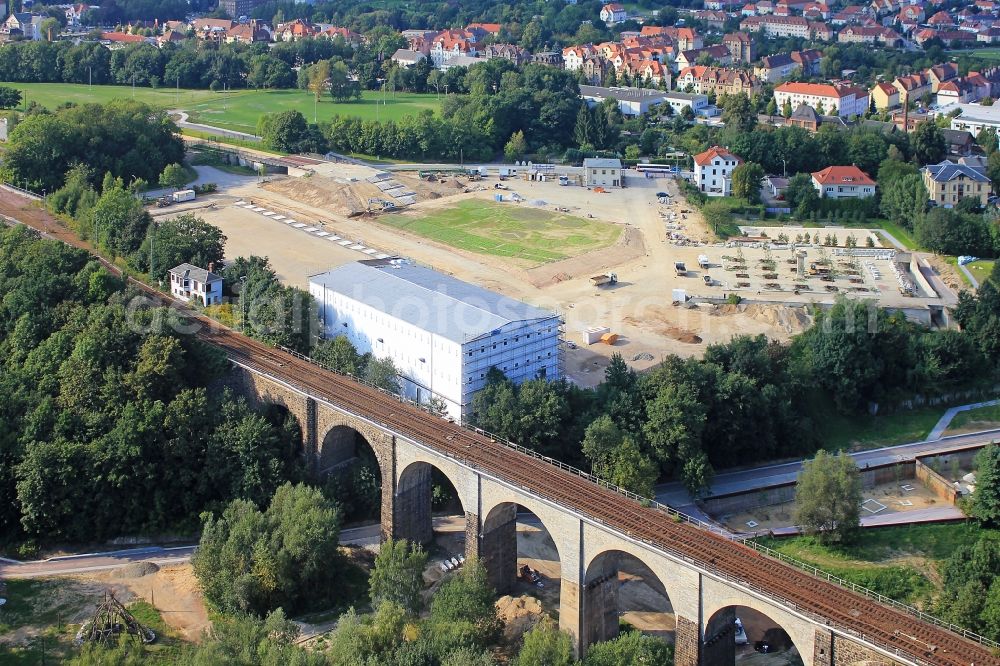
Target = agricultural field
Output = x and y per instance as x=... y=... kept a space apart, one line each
x=534 y=235
x=236 y=110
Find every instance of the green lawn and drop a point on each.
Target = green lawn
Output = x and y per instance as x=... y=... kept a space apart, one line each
x=981 y=269
x=518 y=231
x=236 y=110
x=898 y=562
x=984 y=53
x=241 y=110
x=51 y=95
x=857 y=433
x=983 y=418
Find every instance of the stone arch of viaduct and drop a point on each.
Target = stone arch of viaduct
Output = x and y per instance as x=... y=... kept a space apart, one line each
x=586 y=603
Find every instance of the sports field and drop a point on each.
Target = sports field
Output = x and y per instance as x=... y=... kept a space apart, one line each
x=237 y=110
x=984 y=53
x=519 y=231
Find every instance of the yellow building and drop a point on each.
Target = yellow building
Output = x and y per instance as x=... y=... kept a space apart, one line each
x=885 y=96
x=949 y=182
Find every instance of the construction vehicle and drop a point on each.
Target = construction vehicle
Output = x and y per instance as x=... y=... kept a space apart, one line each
x=380 y=204
x=604 y=279
x=815 y=269
x=680 y=268
x=703 y=260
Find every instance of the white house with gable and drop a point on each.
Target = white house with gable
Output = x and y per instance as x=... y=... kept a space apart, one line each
x=713 y=171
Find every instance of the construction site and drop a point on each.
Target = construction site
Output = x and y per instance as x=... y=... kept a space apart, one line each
x=540 y=236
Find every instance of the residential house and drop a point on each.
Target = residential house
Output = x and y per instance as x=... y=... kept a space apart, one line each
x=613 y=13
x=719 y=54
x=912 y=87
x=703 y=80
x=773 y=69
x=573 y=56
x=118 y=40
x=941 y=20
x=293 y=31
x=843 y=101
x=942 y=73
x=406 y=58
x=248 y=33
x=349 y=36
x=714 y=19
x=515 y=54
x=741 y=47
x=713 y=171
x=595 y=68
x=170 y=37
x=484 y=30
x=843 y=182
x=214 y=30
x=856 y=34
x=649 y=72
x=550 y=58
x=683 y=38
x=911 y=14
x=807 y=118
x=450 y=44
x=787 y=26
x=885 y=96
x=22 y=23
x=960 y=142
x=189 y=283
x=949 y=182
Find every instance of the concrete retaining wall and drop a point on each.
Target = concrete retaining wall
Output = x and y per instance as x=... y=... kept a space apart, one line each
x=937 y=484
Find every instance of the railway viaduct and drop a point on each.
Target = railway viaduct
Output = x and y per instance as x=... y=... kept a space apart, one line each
x=703 y=585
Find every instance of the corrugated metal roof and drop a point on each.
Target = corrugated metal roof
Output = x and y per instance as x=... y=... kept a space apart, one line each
x=430 y=300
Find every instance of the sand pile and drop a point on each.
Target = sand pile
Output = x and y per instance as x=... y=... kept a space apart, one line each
x=790 y=319
x=519 y=614
x=135 y=570
x=328 y=193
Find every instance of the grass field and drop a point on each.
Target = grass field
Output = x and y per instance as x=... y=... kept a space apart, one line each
x=510 y=230
x=978 y=419
x=985 y=53
x=237 y=110
x=899 y=562
x=857 y=433
x=241 y=110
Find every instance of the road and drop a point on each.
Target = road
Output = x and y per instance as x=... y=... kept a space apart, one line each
x=745 y=480
x=160 y=555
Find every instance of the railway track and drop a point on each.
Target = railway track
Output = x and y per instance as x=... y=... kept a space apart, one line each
x=848 y=612
x=821 y=600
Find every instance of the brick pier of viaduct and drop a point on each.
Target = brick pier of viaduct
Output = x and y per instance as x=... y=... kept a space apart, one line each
x=589 y=552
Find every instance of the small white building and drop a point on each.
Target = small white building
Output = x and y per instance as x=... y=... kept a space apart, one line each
x=843 y=182
x=631 y=101
x=603 y=172
x=713 y=171
x=442 y=334
x=189 y=282
x=613 y=13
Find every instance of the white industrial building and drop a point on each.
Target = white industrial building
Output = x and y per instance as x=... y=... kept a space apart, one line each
x=442 y=334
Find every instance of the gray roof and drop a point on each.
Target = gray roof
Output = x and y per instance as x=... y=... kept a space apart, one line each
x=957 y=136
x=430 y=300
x=622 y=93
x=602 y=163
x=195 y=273
x=948 y=170
x=408 y=55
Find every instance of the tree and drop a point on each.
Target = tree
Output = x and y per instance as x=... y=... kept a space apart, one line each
x=342 y=88
x=252 y=562
x=629 y=649
x=463 y=613
x=828 y=497
x=117 y=220
x=772 y=107
x=183 y=239
x=319 y=77
x=382 y=373
x=801 y=195
x=986 y=498
x=546 y=645
x=282 y=131
x=397 y=576
x=338 y=355
x=746 y=181
x=516 y=147
x=718 y=216
x=174 y=175
x=993 y=168
x=928 y=143
x=738 y=113
x=786 y=109
x=987 y=140
x=9 y=97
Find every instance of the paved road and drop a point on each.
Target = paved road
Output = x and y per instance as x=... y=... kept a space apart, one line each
x=184 y=123
x=968 y=274
x=87 y=562
x=773 y=475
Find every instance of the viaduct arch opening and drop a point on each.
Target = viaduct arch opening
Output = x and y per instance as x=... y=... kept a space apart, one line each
x=350 y=469
x=520 y=555
x=422 y=491
x=620 y=590
x=734 y=634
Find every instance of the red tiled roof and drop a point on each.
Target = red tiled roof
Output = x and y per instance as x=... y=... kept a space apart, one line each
x=842 y=175
x=706 y=157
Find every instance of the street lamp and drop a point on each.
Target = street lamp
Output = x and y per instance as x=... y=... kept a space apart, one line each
x=152 y=235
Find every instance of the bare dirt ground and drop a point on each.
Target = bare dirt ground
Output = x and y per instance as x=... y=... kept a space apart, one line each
x=637 y=308
x=174 y=591
x=948 y=273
